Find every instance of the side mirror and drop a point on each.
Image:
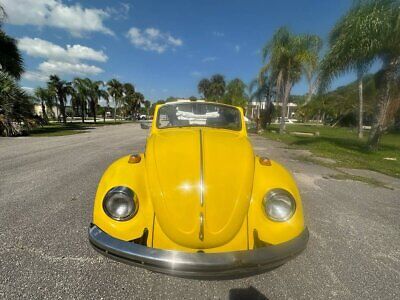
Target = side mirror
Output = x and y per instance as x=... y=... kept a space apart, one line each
x=144 y=126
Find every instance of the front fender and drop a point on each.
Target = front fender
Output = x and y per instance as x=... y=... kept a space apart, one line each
x=122 y=173
x=262 y=230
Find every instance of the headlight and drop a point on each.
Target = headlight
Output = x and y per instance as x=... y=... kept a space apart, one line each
x=279 y=205
x=120 y=203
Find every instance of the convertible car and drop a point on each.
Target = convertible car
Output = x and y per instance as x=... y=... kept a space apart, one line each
x=198 y=203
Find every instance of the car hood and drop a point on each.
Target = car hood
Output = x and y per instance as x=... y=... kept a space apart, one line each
x=200 y=181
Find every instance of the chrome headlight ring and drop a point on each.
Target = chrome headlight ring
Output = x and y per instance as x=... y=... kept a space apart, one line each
x=120 y=203
x=279 y=205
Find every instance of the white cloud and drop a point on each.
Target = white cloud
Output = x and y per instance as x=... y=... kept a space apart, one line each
x=82 y=52
x=120 y=12
x=54 y=13
x=152 y=39
x=209 y=58
x=237 y=48
x=40 y=48
x=35 y=76
x=67 y=68
x=60 y=60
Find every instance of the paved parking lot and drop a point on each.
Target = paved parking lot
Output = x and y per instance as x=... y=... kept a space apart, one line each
x=47 y=185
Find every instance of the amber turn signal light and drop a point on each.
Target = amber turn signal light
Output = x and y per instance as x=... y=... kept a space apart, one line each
x=134 y=159
x=265 y=161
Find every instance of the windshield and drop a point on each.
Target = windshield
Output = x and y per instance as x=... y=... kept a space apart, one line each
x=199 y=114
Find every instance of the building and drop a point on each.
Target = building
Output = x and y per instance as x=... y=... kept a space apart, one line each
x=38 y=111
x=254 y=106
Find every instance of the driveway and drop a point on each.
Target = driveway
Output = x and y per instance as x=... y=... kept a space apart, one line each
x=47 y=185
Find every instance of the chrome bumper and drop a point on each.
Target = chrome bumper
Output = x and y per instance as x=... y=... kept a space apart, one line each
x=197 y=265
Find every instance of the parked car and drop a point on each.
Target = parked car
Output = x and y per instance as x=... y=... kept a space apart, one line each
x=198 y=202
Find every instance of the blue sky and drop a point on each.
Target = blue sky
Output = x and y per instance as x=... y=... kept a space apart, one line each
x=163 y=47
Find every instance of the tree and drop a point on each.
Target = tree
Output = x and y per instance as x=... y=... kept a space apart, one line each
x=138 y=99
x=116 y=91
x=311 y=65
x=204 y=87
x=147 y=105
x=370 y=31
x=360 y=78
x=15 y=107
x=217 y=87
x=80 y=95
x=45 y=97
x=10 y=58
x=212 y=89
x=285 y=56
x=339 y=107
x=261 y=90
x=129 y=99
x=236 y=93
x=95 y=93
x=61 y=89
x=133 y=99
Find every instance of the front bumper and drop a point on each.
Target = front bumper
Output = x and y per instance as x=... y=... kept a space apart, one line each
x=197 y=265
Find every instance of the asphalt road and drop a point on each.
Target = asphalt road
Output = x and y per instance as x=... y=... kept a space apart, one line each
x=47 y=186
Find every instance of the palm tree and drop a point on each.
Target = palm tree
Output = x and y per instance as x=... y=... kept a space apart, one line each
x=15 y=106
x=138 y=99
x=236 y=93
x=95 y=93
x=10 y=58
x=80 y=95
x=361 y=70
x=261 y=90
x=217 y=87
x=45 y=97
x=287 y=54
x=115 y=90
x=61 y=89
x=311 y=64
x=370 y=31
x=129 y=99
x=212 y=89
x=204 y=87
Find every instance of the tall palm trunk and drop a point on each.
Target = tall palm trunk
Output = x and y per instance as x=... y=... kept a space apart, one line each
x=311 y=87
x=94 y=111
x=62 y=110
x=115 y=110
x=44 y=114
x=384 y=80
x=286 y=93
x=360 y=108
x=83 y=111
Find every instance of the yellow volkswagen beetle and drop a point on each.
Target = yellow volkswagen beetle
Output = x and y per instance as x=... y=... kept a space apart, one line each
x=198 y=202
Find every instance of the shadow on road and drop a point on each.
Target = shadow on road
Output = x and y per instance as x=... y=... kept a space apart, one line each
x=250 y=293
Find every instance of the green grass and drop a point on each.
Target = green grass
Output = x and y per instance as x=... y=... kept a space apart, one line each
x=59 y=129
x=342 y=145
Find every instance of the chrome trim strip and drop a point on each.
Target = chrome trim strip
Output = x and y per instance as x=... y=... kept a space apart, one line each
x=197 y=265
x=201 y=232
x=201 y=171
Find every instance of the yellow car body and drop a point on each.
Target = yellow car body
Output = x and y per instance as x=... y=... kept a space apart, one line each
x=200 y=195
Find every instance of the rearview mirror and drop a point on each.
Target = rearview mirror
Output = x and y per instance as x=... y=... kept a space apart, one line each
x=144 y=126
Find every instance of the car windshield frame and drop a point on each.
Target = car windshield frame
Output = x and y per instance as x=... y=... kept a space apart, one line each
x=233 y=110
